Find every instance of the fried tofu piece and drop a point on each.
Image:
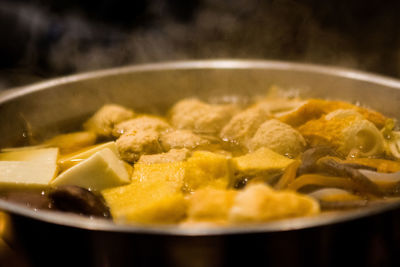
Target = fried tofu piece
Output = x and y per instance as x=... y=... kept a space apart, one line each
x=210 y=204
x=260 y=203
x=261 y=162
x=132 y=145
x=181 y=139
x=71 y=142
x=315 y=108
x=154 y=196
x=200 y=117
x=279 y=137
x=104 y=120
x=139 y=124
x=245 y=124
x=171 y=156
x=207 y=169
x=346 y=131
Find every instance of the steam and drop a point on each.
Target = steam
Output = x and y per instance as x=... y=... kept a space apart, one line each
x=282 y=29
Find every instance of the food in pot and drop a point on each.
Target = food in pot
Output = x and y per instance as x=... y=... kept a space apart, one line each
x=213 y=163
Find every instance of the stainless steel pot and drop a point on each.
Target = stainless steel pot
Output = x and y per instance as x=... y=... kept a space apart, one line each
x=366 y=237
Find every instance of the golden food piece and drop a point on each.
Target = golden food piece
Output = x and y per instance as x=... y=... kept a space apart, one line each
x=201 y=117
x=210 y=204
x=346 y=131
x=245 y=124
x=262 y=161
x=104 y=120
x=132 y=145
x=260 y=203
x=181 y=139
x=279 y=137
x=207 y=169
x=71 y=142
x=171 y=156
x=315 y=108
x=154 y=196
x=140 y=124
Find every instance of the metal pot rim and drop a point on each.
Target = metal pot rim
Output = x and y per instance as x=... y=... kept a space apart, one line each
x=281 y=225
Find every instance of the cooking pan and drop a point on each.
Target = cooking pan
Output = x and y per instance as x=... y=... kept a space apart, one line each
x=362 y=237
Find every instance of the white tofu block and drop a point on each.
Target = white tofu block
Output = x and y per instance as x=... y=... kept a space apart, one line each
x=101 y=170
x=69 y=160
x=44 y=155
x=28 y=167
x=26 y=173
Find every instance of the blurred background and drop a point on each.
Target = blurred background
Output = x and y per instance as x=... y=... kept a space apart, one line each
x=48 y=38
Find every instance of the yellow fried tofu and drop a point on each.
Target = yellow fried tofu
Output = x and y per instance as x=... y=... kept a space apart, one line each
x=259 y=203
x=262 y=161
x=210 y=204
x=154 y=196
x=207 y=169
x=315 y=108
x=344 y=130
x=71 y=142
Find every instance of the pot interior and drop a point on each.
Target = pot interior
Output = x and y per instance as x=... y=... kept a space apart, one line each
x=61 y=105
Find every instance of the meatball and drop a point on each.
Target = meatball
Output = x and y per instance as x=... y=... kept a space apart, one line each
x=201 y=117
x=181 y=139
x=132 y=145
x=142 y=123
x=103 y=121
x=244 y=124
x=171 y=156
x=278 y=137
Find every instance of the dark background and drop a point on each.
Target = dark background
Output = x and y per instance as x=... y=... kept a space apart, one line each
x=48 y=38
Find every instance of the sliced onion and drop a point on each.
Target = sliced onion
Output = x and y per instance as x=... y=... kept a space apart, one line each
x=288 y=176
x=325 y=181
x=334 y=194
x=387 y=182
x=394 y=144
x=334 y=198
x=335 y=167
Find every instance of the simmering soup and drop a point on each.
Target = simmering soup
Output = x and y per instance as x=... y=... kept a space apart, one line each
x=214 y=163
